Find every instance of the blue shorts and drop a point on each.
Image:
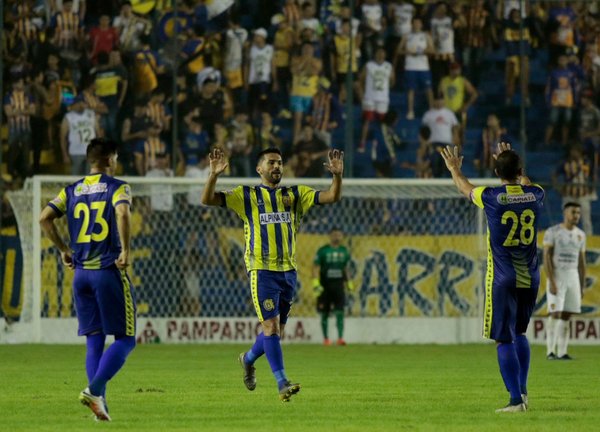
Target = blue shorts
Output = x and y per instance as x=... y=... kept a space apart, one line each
x=104 y=301
x=300 y=104
x=418 y=79
x=558 y=113
x=273 y=293
x=509 y=312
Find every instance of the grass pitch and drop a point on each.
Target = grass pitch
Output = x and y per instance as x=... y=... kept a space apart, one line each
x=353 y=388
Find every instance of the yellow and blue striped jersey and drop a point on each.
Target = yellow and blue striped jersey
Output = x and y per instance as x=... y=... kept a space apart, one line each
x=271 y=220
x=512 y=214
x=90 y=204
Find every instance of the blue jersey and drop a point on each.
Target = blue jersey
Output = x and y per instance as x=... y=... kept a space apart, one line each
x=90 y=205
x=512 y=212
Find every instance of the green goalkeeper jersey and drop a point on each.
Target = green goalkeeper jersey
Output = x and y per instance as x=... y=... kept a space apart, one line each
x=333 y=262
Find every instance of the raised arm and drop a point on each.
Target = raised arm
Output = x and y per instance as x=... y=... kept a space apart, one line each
x=217 y=166
x=47 y=218
x=123 y=213
x=335 y=166
x=454 y=163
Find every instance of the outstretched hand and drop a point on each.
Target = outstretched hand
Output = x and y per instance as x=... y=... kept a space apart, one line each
x=335 y=163
x=218 y=163
x=502 y=147
x=452 y=158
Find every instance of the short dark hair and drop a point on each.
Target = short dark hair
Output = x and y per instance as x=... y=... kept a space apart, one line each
x=508 y=165
x=267 y=151
x=571 y=204
x=100 y=150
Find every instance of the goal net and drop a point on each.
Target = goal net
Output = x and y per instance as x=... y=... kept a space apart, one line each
x=418 y=250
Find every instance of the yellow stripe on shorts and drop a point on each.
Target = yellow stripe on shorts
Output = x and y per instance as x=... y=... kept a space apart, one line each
x=129 y=312
x=254 y=290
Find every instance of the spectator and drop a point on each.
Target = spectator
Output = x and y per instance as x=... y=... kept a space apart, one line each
x=442 y=123
x=147 y=68
x=560 y=96
x=375 y=80
x=194 y=52
x=283 y=44
x=325 y=114
x=158 y=111
x=345 y=13
x=415 y=46
x=373 y=27
x=260 y=74
x=78 y=128
x=14 y=45
x=195 y=146
x=198 y=171
x=111 y=88
x=291 y=11
x=161 y=197
x=589 y=129
x=309 y=154
x=133 y=134
x=577 y=185
x=384 y=145
x=92 y=100
x=102 y=38
x=39 y=122
x=235 y=41
x=268 y=134
x=308 y=18
x=561 y=22
x=69 y=36
x=241 y=145
x=455 y=89
x=130 y=28
x=400 y=15
x=512 y=40
x=19 y=106
x=77 y=7
x=442 y=33
x=153 y=146
x=305 y=76
x=344 y=52
x=478 y=33
x=492 y=134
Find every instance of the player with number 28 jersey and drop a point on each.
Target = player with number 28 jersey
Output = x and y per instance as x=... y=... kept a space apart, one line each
x=512 y=212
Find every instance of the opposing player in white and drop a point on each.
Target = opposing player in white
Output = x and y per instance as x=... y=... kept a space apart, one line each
x=564 y=263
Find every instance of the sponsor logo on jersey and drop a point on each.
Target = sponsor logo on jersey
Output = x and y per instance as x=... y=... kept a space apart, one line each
x=83 y=189
x=275 y=218
x=506 y=199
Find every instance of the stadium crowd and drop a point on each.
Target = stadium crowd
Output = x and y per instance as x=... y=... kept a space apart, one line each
x=267 y=73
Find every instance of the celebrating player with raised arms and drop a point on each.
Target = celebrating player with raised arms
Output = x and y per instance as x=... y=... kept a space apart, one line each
x=513 y=275
x=98 y=217
x=271 y=214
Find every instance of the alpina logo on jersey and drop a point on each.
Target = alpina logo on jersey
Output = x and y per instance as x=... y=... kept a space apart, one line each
x=505 y=199
x=275 y=218
x=83 y=189
x=269 y=305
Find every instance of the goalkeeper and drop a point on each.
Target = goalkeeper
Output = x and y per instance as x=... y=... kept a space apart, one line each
x=330 y=280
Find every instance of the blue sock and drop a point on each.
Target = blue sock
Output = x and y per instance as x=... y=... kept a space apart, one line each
x=275 y=358
x=257 y=350
x=523 y=354
x=110 y=363
x=93 y=354
x=510 y=370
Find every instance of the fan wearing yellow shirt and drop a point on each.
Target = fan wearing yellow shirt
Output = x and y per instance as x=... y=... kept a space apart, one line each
x=271 y=214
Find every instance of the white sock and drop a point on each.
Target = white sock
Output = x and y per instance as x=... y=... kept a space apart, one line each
x=562 y=337
x=550 y=335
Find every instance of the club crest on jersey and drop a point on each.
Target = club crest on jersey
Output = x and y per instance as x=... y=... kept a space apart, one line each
x=287 y=201
x=505 y=199
x=269 y=305
x=83 y=189
x=275 y=218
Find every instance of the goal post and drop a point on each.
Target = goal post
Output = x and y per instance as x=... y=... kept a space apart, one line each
x=418 y=252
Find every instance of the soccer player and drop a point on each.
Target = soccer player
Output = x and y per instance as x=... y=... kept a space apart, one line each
x=271 y=215
x=98 y=217
x=564 y=263
x=330 y=279
x=513 y=275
